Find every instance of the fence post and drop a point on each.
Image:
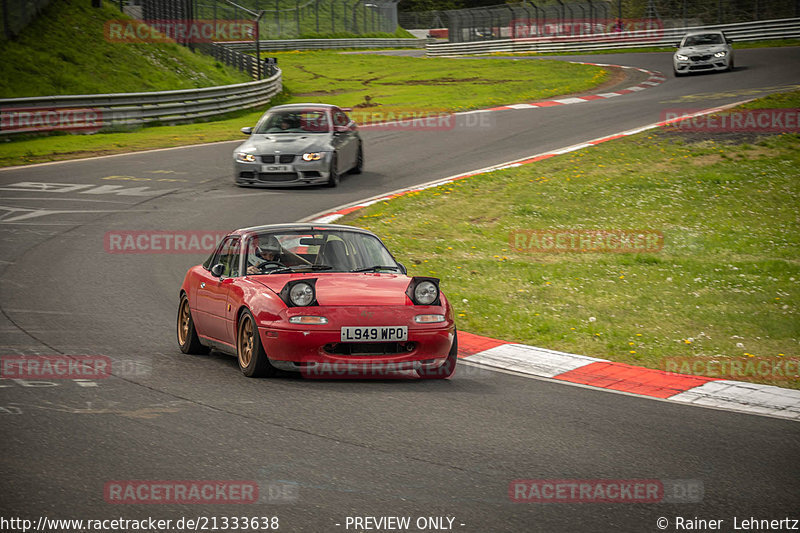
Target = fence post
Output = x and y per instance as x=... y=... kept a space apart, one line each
x=277 y=19
x=258 y=44
x=6 y=22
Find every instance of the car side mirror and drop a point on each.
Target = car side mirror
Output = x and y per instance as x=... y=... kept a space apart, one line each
x=402 y=268
x=217 y=270
x=730 y=41
x=247 y=131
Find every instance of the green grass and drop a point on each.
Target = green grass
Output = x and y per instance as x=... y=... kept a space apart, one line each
x=776 y=43
x=407 y=84
x=399 y=84
x=726 y=283
x=64 y=51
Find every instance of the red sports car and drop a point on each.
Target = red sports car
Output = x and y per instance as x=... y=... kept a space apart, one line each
x=321 y=299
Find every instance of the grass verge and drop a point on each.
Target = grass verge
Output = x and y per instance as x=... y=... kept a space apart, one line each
x=725 y=285
x=394 y=84
x=64 y=51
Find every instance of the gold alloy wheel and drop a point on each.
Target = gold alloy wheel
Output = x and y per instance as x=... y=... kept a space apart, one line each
x=245 y=350
x=183 y=322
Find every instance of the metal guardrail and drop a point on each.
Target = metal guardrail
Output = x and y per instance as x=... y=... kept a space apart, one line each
x=743 y=31
x=324 y=44
x=185 y=105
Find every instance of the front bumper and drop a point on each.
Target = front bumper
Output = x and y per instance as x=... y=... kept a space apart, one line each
x=300 y=173
x=306 y=348
x=701 y=65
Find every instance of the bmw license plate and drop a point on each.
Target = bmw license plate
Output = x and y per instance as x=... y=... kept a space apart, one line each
x=374 y=334
x=276 y=168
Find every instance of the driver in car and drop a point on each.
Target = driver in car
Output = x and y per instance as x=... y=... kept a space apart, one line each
x=269 y=255
x=261 y=255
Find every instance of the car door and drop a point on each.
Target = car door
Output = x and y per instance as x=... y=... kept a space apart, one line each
x=214 y=315
x=346 y=139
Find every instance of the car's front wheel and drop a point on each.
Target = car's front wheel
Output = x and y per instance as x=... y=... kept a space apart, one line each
x=333 y=172
x=188 y=341
x=446 y=369
x=359 y=168
x=250 y=353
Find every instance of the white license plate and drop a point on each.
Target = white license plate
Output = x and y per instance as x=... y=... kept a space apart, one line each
x=374 y=334
x=276 y=168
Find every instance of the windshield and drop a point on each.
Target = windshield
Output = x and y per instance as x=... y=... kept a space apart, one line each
x=706 y=38
x=294 y=121
x=317 y=250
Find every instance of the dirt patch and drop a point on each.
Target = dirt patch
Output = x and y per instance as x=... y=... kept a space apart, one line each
x=726 y=137
x=705 y=160
x=449 y=81
x=320 y=93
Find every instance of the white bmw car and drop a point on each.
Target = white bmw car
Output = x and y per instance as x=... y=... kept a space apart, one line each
x=703 y=51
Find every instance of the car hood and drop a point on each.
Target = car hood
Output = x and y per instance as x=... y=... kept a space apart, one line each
x=348 y=288
x=286 y=143
x=703 y=49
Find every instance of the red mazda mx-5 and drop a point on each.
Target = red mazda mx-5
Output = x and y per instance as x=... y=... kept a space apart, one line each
x=320 y=299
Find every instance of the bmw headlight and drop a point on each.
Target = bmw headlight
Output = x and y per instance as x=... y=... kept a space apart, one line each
x=245 y=157
x=312 y=156
x=681 y=57
x=301 y=294
x=722 y=53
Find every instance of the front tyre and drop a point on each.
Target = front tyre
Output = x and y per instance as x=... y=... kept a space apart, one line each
x=359 y=168
x=446 y=369
x=253 y=361
x=188 y=341
x=333 y=172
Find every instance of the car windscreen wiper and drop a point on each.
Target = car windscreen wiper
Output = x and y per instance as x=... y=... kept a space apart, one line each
x=299 y=268
x=376 y=268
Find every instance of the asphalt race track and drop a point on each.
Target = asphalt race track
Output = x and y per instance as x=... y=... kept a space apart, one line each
x=344 y=448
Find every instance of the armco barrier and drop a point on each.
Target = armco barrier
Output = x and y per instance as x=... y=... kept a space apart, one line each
x=744 y=31
x=163 y=106
x=324 y=44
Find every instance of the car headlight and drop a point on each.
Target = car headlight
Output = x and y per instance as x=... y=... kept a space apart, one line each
x=312 y=156
x=245 y=157
x=425 y=293
x=301 y=294
x=681 y=57
x=723 y=53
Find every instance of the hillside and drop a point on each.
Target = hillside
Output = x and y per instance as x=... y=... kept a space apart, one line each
x=64 y=51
